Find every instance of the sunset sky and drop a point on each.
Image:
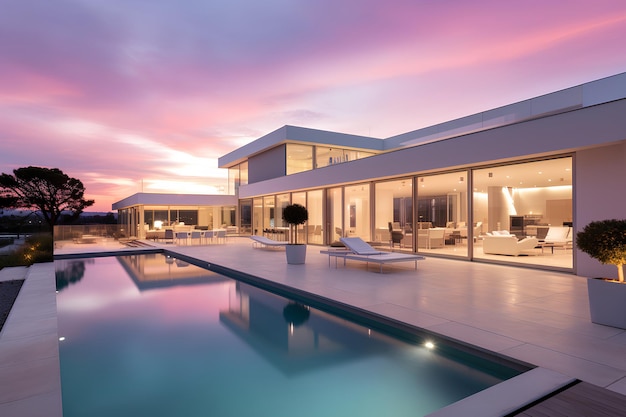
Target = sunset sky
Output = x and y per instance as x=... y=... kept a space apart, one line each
x=132 y=95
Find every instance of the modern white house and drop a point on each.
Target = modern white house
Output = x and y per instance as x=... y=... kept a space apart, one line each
x=510 y=185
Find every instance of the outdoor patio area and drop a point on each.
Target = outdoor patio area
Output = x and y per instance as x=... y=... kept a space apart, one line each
x=534 y=316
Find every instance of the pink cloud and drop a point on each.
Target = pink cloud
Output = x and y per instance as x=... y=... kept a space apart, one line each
x=116 y=92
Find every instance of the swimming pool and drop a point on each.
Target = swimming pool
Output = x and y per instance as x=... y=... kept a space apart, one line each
x=153 y=335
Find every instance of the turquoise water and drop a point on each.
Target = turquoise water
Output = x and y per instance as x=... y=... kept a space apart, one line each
x=148 y=335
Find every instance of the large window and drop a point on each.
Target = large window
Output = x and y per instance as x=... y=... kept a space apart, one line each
x=356 y=218
x=393 y=223
x=257 y=216
x=233 y=180
x=299 y=158
x=243 y=173
x=269 y=219
x=237 y=175
x=314 y=225
x=300 y=198
x=334 y=220
x=325 y=156
x=442 y=207
x=527 y=200
x=282 y=201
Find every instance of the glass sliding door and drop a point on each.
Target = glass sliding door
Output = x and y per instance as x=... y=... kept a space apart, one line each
x=300 y=198
x=334 y=217
x=357 y=211
x=269 y=214
x=299 y=158
x=525 y=213
x=315 y=207
x=281 y=228
x=393 y=219
x=245 y=217
x=442 y=214
x=257 y=216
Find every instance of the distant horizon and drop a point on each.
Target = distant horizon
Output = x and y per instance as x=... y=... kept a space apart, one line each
x=145 y=97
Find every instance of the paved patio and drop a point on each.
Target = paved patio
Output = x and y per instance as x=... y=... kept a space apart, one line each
x=538 y=317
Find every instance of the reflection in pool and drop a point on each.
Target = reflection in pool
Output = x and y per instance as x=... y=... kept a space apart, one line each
x=151 y=335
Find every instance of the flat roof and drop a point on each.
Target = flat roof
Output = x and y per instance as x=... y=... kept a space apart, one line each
x=158 y=199
x=588 y=94
x=303 y=135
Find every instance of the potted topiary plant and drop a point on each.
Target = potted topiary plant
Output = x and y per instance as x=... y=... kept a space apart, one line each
x=606 y=241
x=295 y=215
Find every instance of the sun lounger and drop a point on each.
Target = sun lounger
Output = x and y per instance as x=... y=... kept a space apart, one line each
x=359 y=250
x=267 y=242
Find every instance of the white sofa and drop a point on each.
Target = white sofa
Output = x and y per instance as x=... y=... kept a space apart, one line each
x=505 y=244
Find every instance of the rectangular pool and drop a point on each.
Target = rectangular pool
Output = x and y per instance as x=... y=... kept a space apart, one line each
x=150 y=335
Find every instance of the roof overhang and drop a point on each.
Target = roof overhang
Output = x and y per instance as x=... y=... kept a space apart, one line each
x=301 y=135
x=156 y=199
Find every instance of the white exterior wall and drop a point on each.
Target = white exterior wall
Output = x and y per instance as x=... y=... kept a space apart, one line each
x=600 y=193
x=553 y=135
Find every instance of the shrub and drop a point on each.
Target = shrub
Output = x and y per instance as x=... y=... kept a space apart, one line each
x=605 y=241
x=36 y=248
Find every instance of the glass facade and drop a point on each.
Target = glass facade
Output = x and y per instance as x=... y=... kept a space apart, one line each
x=237 y=175
x=257 y=216
x=449 y=214
x=325 y=156
x=356 y=220
x=527 y=200
x=393 y=221
x=442 y=210
x=245 y=217
x=334 y=215
x=146 y=222
x=299 y=158
x=282 y=201
x=315 y=206
x=300 y=198
x=269 y=212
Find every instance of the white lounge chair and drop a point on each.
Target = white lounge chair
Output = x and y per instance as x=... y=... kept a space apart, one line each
x=359 y=250
x=267 y=242
x=558 y=237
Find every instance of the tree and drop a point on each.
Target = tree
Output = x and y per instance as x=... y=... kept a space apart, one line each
x=49 y=191
x=295 y=215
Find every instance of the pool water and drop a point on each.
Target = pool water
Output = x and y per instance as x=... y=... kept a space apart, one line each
x=150 y=335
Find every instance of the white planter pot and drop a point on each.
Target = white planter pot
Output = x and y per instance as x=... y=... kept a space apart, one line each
x=607 y=302
x=296 y=254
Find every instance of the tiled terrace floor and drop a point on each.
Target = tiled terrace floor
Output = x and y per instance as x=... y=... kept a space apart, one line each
x=538 y=317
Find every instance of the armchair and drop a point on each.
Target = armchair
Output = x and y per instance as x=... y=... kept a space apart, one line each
x=431 y=238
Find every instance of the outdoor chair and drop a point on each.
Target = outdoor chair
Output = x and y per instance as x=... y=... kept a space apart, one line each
x=357 y=249
x=209 y=235
x=196 y=235
x=221 y=235
x=266 y=242
x=169 y=236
